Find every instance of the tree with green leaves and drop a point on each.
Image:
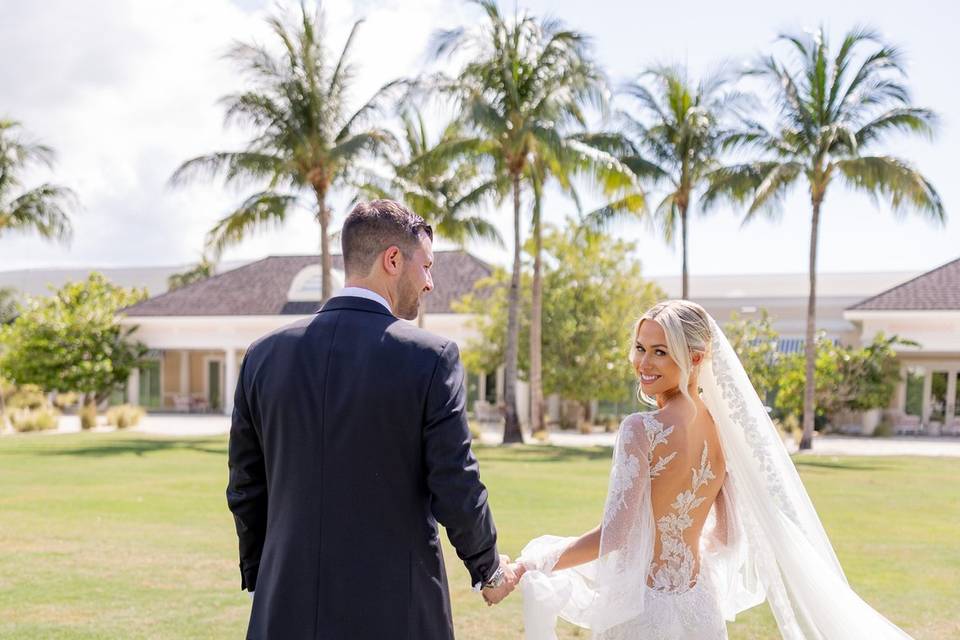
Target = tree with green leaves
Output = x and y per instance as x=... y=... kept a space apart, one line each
x=200 y=271
x=756 y=343
x=593 y=294
x=73 y=340
x=8 y=305
x=834 y=110
x=525 y=82
x=672 y=141
x=42 y=209
x=307 y=139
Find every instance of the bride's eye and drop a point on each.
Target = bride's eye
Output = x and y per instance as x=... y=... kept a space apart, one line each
x=638 y=347
x=660 y=352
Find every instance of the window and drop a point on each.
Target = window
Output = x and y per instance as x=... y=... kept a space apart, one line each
x=915 y=377
x=938 y=396
x=150 y=397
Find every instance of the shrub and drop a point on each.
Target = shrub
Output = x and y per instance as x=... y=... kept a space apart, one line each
x=28 y=396
x=884 y=429
x=586 y=427
x=611 y=424
x=88 y=416
x=541 y=435
x=64 y=401
x=124 y=415
x=474 y=431
x=24 y=419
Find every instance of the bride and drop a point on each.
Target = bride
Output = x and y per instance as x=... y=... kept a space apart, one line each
x=705 y=515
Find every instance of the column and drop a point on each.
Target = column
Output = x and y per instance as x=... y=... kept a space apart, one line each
x=230 y=382
x=927 y=392
x=481 y=386
x=133 y=387
x=184 y=372
x=951 y=397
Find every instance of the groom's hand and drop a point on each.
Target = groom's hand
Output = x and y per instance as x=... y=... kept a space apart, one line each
x=512 y=572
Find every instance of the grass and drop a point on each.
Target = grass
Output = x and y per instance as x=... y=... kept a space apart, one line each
x=127 y=536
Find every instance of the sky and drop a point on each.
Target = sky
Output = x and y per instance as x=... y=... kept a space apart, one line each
x=126 y=90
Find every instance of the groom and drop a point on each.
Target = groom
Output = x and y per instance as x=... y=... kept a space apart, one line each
x=349 y=443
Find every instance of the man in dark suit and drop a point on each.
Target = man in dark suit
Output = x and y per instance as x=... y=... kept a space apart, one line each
x=349 y=443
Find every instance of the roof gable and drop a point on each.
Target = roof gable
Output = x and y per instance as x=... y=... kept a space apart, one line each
x=262 y=287
x=935 y=290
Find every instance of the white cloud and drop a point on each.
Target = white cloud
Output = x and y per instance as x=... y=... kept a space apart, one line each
x=125 y=90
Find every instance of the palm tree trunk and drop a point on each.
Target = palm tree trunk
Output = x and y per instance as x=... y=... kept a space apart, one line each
x=537 y=421
x=683 y=234
x=810 y=347
x=511 y=427
x=326 y=260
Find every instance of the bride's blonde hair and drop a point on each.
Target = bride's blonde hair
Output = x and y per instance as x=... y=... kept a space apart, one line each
x=687 y=327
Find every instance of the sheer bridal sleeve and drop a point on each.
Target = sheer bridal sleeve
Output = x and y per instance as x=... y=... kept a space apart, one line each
x=611 y=589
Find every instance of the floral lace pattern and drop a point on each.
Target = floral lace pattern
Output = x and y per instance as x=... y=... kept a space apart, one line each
x=674 y=571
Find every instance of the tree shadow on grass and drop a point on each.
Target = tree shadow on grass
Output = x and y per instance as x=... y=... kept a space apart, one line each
x=134 y=446
x=541 y=453
x=846 y=464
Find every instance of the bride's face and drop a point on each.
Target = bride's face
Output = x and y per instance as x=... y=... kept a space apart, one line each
x=655 y=368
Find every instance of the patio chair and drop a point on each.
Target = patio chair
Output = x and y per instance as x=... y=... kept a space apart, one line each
x=181 y=402
x=905 y=424
x=951 y=428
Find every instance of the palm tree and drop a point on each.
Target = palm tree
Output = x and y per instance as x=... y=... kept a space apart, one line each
x=675 y=142
x=41 y=209
x=526 y=80
x=307 y=140
x=832 y=112
x=442 y=190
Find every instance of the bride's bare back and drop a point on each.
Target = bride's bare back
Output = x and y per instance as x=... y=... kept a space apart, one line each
x=686 y=471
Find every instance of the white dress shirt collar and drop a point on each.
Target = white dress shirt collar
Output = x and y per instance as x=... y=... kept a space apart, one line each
x=360 y=292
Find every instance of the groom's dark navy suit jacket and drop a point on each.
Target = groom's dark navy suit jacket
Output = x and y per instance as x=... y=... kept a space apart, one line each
x=349 y=443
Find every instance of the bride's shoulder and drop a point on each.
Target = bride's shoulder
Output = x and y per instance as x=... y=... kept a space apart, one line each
x=648 y=421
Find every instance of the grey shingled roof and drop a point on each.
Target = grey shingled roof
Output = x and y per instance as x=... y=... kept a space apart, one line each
x=936 y=290
x=260 y=288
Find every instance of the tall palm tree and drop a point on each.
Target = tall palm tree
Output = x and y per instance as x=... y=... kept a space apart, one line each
x=833 y=111
x=673 y=141
x=444 y=191
x=526 y=80
x=307 y=140
x=42 y=209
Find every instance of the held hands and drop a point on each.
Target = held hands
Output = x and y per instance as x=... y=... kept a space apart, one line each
x=512 y=572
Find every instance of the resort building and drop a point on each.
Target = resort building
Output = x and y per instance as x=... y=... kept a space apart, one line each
x=197 y=335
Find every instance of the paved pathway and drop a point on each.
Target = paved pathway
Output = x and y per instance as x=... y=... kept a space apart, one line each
x=212 y=425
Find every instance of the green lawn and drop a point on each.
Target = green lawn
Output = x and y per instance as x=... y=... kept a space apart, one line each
x=125 y=536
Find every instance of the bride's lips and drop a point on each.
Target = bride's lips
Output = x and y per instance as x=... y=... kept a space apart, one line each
x=645 y=379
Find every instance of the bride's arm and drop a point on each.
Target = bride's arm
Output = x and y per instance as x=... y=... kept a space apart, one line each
x=584 y=549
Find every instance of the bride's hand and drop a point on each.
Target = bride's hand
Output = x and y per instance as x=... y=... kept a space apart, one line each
x=512 y=572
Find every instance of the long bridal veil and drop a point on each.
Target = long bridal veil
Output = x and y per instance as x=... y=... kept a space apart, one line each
x=765 y=540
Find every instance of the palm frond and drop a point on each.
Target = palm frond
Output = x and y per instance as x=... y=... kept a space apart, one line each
x=261 y=210
x=896 y=180
x=43 y=210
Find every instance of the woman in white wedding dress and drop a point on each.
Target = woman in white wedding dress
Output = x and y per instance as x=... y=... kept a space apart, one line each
x=705 y=514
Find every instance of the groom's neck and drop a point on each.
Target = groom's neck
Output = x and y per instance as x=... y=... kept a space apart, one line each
x=372 y=284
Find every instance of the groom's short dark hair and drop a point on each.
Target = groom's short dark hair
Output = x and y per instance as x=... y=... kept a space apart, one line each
x=372 y=227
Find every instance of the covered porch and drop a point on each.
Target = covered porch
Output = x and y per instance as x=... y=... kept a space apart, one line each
x=186 y=380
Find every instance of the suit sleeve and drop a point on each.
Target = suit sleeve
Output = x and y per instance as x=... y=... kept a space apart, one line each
x=458 y=498
x=247 y=486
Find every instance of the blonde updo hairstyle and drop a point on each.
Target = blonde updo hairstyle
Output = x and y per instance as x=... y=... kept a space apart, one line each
x=687 y=327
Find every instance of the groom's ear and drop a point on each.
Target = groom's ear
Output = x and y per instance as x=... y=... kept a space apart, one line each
x=393 y=260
